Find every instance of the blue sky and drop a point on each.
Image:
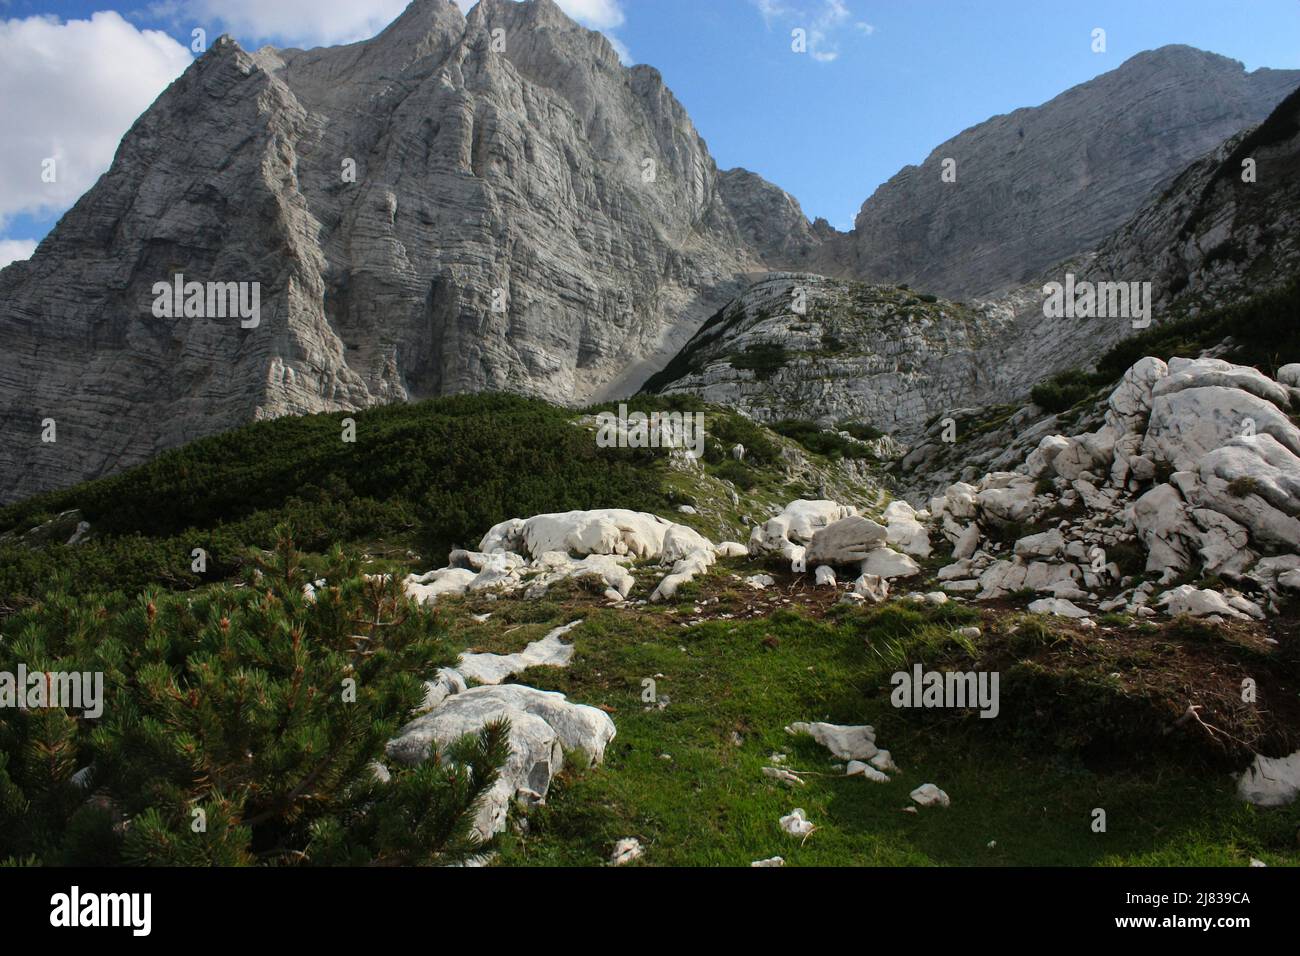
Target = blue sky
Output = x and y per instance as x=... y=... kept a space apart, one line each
x=883 y=82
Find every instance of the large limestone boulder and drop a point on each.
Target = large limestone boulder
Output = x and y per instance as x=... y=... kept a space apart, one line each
x=806 y=517
x=1165 y=529
x=966 y=542
x=1129 y=406
x=1010 y=505
x=680 y=541
x=1048 y=544
x=789 y=532
x=906 y=532
x=543 y=726
x=772 y=535
x=959 y=501
x=1272 y=571
x=1197 y=602
x=1210 y=372
x=1001 y=578
x=1224 y=545
x=1091 y=454
x=1256 y=482
x=609 y=531
x=1039 y=462
x=427 y=588
x=1189 y=423
x=847 y=541
x=889 y=564
x=1048 y=576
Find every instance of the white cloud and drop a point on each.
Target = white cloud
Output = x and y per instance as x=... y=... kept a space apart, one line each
x=11 y=250
x=825 y=21
x=602 y=15
x=325 y=22
x=772 y=10
x=304 y=23
x=71 y=90
x=597 y=14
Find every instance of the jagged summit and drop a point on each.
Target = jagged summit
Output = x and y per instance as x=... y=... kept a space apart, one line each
x=461 y=203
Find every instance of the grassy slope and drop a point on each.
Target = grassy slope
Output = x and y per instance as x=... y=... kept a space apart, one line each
x=710 y=805
x=417 y=481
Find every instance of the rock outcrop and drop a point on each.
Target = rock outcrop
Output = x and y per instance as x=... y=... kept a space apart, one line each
x=1195 y=468
x=530 y=555
x=543 y=727
x=798 y=345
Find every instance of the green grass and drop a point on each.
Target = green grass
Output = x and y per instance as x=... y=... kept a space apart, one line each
x=710 y=805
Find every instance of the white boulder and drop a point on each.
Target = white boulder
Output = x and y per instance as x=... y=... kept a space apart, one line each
x=1187 y=425
x=846 y=541
x=1196 y=602
x=1048 y=544
x=1256 y=482
x=1271 y=781
x=928 y=795
x=889 y=564
x=543 y=725
x=847 y=743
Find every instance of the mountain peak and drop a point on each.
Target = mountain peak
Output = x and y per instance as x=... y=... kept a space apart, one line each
x=1054 y=180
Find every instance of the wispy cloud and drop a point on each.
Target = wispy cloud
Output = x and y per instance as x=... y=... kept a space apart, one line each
x=826 y=23
x=72 y=89
x=11 y=250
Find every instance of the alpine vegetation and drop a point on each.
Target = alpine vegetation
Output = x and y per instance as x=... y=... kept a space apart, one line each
x=683 y=431
x=36 y=690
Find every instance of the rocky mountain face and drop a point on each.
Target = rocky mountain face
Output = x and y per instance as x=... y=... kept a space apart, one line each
x=899 y=359
x=1227 y=226
x=459 y=204
x=1040 y=185
x=798 y=345
x=772 y=221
